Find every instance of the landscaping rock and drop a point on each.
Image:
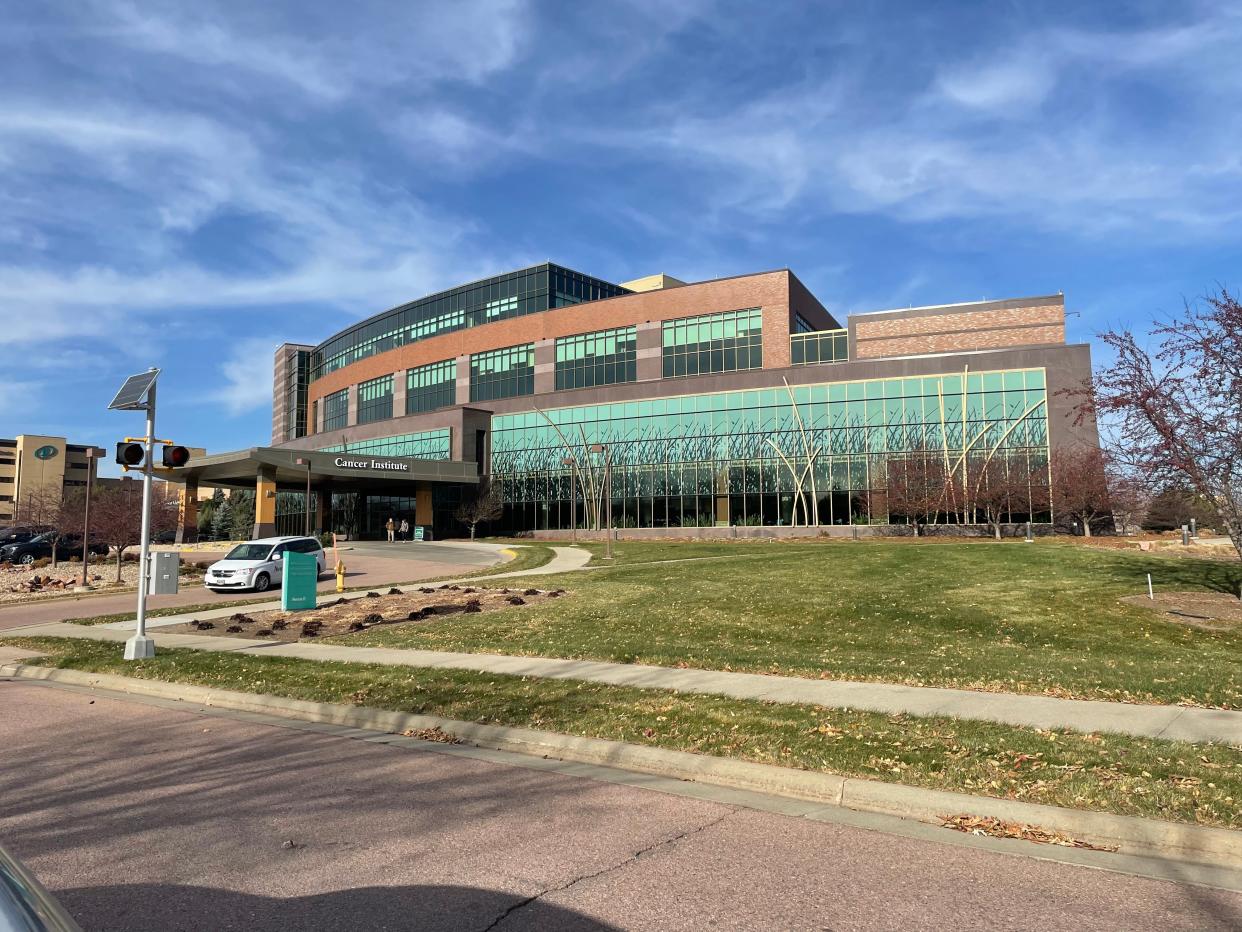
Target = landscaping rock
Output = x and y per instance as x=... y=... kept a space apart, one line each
x=372 y=595
x=263 y=633
x=233 y=629
x=374 y=619
x=516 y=600
x=394 y=591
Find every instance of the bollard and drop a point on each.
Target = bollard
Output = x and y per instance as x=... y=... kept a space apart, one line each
x=1194 y=531
x=1185 y=536
x=340 y=577
x=1029 y=538
x=1151 y=595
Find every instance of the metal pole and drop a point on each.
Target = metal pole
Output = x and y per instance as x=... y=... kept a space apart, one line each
x=139 y=647
x=86 y=515
x=608 y=503
x=308 y=498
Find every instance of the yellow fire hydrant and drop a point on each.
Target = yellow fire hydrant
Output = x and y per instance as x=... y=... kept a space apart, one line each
x=340 y=577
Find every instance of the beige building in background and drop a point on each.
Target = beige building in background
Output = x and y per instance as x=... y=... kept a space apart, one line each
x=32 y=462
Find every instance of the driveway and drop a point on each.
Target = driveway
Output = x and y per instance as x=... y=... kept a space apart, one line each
x=367 y=564
x=139 y=816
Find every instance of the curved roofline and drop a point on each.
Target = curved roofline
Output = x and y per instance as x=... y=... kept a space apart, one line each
x=443 y=291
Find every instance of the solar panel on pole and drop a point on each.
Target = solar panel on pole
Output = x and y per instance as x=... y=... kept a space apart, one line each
x=133 y=394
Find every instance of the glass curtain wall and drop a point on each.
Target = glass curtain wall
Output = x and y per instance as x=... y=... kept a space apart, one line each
x=825 y=346
x=336 y=410
x=604 y=357
x=713 y=343
x=431 y=386
x=744 y=457
x=515 y=294
x=375 y=400
x=426 y=445
x=502 y=373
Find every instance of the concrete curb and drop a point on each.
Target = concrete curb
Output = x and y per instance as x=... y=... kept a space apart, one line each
x=1133 y=836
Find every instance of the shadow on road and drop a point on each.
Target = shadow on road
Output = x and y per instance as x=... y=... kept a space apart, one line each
x=168 y=908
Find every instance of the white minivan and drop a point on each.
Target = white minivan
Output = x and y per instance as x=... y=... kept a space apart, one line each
x=257 y=564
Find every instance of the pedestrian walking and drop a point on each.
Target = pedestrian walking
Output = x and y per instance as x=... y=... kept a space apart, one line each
x=405 y=529
x=391 y=528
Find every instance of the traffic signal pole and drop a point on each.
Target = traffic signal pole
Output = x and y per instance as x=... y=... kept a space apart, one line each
x=140 y=647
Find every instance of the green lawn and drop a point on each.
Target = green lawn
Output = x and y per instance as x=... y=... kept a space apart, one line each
x=1035 y=618
x=1132 y=776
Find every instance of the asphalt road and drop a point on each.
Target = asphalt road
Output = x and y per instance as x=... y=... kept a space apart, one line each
x=141 y=817
x=367 y=564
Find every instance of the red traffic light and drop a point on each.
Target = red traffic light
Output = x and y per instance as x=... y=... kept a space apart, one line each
x=130 y=454
x=175 y=456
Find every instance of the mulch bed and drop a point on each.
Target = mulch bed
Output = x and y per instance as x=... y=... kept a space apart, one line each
x=1212 y=611
x=386 y=607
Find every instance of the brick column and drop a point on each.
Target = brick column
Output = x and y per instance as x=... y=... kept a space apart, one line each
x=649 y=352
x=398 y=394
x=463 y=380
x=187 y=512
x=265 y=502
x=351 y=418
x=545 y=366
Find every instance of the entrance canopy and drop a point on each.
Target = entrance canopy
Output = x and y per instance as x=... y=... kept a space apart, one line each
x=269 y=469
x=340 y=472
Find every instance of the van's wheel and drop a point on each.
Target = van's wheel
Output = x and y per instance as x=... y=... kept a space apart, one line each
x=262 y=582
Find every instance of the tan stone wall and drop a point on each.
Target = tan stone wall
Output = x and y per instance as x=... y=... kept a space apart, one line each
x=955 y=330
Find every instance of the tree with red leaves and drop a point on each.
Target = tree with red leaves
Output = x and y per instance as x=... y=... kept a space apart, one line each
x=1087 y=487
x=1174 y=415
x=916 y=488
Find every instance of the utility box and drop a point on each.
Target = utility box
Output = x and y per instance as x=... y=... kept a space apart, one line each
x=163 y=570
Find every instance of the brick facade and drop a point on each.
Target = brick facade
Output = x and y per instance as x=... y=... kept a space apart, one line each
x=958 y=328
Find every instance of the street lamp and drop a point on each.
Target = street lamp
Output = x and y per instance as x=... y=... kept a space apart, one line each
x=603 y=448
x=92 y=454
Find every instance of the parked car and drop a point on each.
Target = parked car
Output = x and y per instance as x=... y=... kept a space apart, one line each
x=17 y=535
x=164 y=537
x=25 y=904
x=40 y=546
x=257 y=564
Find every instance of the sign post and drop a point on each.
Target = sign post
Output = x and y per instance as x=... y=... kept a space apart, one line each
x=300 y=576
x=138 y=394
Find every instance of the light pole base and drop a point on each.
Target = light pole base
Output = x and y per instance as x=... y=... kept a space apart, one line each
x=139 y=648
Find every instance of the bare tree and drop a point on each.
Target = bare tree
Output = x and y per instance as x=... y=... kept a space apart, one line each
x=916 y=487
x=48 y=509
x=1175 y=413
x=484 y=507
x=1000 y=488
x=1082 y=485
x=116 y=518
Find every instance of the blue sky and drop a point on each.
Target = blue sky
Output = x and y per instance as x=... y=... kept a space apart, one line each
x=189 y=184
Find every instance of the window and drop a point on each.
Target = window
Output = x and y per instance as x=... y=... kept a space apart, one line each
x=825 y=346
x=336 y=410
x=431 y=386
x=713 y=343
x=427 y=444
x=502 y=373
x=375 y=400
x=601 y=358
x=526 y=291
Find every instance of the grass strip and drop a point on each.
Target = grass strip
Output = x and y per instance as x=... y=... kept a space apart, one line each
x=1044 y=618
x=1101 y=772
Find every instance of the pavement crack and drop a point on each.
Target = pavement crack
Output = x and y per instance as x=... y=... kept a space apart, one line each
x=654 y=846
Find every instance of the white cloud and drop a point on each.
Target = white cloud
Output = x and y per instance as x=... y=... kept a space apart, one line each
x=1012 y=82
x=247 y=375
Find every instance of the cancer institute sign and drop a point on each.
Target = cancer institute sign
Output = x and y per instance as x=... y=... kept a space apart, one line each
x=390 y=465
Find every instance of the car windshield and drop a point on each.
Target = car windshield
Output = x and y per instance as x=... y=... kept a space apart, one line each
x=249 y=552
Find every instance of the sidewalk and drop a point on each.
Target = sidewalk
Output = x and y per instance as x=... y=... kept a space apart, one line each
x=1174 y=723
